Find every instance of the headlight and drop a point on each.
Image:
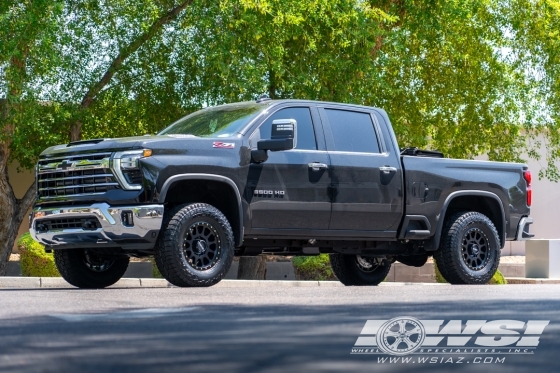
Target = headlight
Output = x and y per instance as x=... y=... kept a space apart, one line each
x=127 y=168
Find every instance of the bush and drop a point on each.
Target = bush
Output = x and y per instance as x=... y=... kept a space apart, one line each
x=439 y=277
x=497 y=279
x=34 y=261
x=313 y=268
x=155 y=271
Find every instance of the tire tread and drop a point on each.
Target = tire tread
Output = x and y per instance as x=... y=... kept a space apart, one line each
x=346 y=270
x=446 y=257
x=72 y=268
x=166 y=256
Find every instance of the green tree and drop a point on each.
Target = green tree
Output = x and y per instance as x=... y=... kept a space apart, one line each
x=27 y=32
x=535 y=42
x=58 y=59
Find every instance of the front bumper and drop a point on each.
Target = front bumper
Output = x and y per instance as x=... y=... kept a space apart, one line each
x=523 y=229
x=97 y=225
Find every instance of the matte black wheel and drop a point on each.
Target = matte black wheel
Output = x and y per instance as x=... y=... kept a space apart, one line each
x=88 y=269
x=469 y=252
x=195 y=247
x=356 y=270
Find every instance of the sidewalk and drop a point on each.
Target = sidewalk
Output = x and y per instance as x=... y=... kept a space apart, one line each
x=57 y=282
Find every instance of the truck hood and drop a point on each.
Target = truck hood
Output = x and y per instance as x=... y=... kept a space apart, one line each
x=166 y=144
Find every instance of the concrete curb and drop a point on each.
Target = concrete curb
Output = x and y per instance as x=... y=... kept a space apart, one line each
x=524 y=280
x=57 y=282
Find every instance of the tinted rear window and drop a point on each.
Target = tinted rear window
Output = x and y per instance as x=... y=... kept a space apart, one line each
x=352 y=131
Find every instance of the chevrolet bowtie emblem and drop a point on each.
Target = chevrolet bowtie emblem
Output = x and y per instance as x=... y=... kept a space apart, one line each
x=64 y=165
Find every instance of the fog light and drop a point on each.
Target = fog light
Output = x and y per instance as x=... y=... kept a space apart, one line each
x=127 y=219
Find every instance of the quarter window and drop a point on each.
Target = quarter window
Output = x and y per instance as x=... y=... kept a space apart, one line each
x=352 y=131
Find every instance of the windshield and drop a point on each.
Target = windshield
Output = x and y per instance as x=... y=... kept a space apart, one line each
x=219 y=121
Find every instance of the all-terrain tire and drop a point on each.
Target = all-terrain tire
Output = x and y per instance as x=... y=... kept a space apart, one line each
x=469 y=251
x=195 y=246
x=85 y=269
x=350 y=272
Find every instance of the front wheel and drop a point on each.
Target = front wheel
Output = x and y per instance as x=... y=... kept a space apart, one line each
x=356 y=270
x=88 y=269
x=196 y=246
x=469 y=252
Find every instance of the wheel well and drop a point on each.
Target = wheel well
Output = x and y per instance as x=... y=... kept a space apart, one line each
x=215 y=193
x=485 y=205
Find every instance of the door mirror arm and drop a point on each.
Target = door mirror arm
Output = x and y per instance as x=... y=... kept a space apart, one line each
x=283 y=137
x=259 y=156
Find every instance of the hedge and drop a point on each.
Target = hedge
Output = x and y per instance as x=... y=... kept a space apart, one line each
x=313 y=268
x=155 y=270
x=34 y=261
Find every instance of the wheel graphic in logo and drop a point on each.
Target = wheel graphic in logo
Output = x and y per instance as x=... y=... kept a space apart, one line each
x=401 y=336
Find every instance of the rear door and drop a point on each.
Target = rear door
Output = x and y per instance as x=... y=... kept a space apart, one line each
x=290 y=190
x=366 y=177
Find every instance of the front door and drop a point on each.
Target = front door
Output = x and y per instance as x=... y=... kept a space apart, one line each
x=290 y=191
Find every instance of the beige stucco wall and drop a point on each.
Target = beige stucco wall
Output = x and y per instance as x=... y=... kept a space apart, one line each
x=20 y=182
x=545 y=206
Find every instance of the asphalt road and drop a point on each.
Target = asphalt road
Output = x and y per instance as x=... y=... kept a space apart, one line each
x=279 y=329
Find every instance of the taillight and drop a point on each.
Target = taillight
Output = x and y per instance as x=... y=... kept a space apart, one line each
x=527 y=177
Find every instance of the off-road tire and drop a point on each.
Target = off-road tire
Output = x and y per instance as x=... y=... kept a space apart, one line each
x=174 y=245
x=349 y=272
x=456 y=262
x=73 y=266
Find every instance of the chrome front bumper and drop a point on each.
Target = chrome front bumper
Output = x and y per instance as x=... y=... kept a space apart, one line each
x=523 y=229
x=97 y=224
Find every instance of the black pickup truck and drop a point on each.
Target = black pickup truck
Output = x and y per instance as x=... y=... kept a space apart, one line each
x=282 y=177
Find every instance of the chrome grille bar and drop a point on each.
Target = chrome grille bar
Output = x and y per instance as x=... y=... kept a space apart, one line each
x=81 y=186
x=75 y=175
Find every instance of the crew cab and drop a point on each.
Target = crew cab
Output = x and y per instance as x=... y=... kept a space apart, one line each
x=282 y=177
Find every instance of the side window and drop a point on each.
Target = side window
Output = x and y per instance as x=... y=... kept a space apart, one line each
x=305 y=133
x=352 y=131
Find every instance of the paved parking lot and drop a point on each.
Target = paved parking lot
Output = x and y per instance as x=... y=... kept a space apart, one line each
x=253 y=329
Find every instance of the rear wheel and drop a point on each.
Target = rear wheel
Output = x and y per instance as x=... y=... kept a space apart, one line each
x=196 y=246
x=89 y=269
x=469 y=252
x=356 y=270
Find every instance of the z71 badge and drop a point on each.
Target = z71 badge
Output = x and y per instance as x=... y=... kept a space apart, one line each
x=223 y=145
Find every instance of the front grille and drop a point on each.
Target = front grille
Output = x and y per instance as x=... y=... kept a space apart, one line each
x=47 y=225
x=75 y=176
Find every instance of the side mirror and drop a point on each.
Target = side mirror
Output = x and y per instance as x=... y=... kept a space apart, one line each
x=283 y=136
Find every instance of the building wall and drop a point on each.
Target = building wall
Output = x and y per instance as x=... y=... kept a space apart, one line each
x=544 y=209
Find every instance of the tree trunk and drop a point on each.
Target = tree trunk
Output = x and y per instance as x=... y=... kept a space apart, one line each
x=252 y=268
x=272 y=84
x=76 y=131
x=11 y=214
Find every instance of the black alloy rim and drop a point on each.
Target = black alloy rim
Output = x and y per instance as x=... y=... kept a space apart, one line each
x=366 y=264
x=96 y=263
x=475 y=249
x=201 y=246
